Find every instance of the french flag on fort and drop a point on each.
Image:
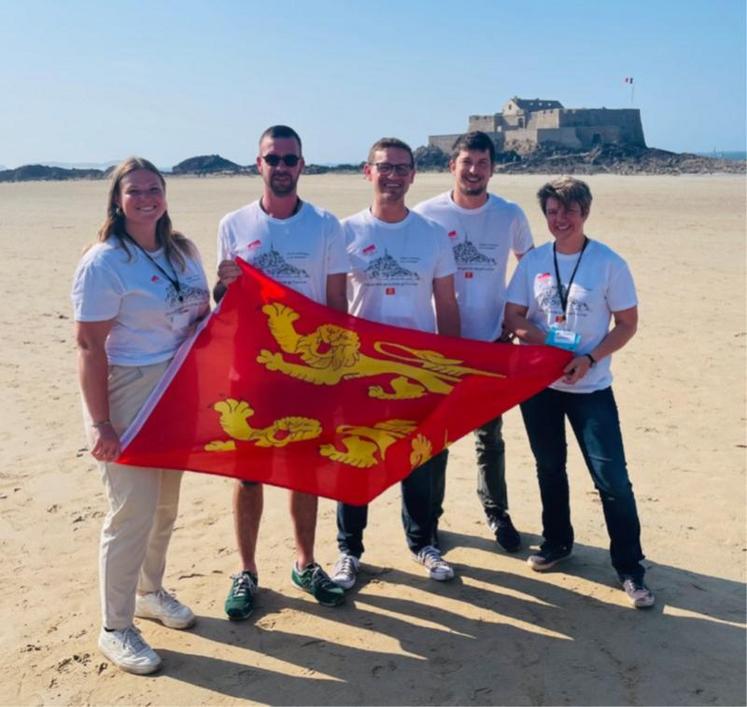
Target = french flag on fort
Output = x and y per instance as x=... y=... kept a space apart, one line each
x=278 y=389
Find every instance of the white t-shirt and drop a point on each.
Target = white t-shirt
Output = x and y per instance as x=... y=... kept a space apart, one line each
x=150 y=322
x=602 y=285
x=393 y=268
x=300 y=251
x=482 y=239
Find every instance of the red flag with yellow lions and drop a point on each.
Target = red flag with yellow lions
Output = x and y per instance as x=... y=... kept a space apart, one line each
x=278 y=389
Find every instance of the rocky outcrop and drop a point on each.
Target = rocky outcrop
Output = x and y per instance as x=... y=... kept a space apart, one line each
x=207 y=164
x=429 y=158
x=616 y=159
x=43 y=173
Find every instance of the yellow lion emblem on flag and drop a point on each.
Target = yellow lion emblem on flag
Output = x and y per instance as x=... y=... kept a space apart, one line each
x=332 y=353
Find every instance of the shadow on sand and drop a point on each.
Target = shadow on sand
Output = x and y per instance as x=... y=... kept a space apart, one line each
x=539 y=643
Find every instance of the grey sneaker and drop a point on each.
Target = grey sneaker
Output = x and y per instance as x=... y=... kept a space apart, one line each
x=345 y=571
x=128 y=651
x=438 y=568
x=548 y=556
x=164 y=607
x=639 y=595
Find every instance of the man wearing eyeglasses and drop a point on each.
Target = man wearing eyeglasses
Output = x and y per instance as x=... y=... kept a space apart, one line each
x=301 y=246
x=401 y=263
x=483 y=229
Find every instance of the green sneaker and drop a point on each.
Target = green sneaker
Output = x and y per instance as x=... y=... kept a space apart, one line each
x=314 y=580
x=240 y=600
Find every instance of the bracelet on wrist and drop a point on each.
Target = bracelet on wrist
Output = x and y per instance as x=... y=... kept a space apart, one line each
x=102 y=423
x=592 y=360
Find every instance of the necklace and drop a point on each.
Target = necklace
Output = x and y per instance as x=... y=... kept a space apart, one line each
x=173 y=280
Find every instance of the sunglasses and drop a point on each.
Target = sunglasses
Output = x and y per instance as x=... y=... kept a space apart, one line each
x=287 y=160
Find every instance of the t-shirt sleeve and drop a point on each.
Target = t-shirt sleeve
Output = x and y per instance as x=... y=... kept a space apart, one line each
x=97 y=292
x=445 y=263
x=518 y=289
x=224 y=251
x=621 y=292
x=521 y=234
x=337 y=253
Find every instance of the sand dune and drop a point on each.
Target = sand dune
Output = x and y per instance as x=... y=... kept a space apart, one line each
x=499 y=633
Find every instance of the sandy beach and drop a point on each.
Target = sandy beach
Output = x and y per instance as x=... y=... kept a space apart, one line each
x=499 y=633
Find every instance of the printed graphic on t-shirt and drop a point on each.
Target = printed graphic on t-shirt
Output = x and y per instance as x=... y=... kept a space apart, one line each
x=274 y=265
x=548 y=299
x=189 y=295
x=468 y=256
x=386 y=270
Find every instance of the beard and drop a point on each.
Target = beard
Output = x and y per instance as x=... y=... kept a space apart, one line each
x=468 y=189
x=283 y=186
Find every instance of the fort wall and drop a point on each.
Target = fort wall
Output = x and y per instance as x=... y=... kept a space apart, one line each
x=527 y=124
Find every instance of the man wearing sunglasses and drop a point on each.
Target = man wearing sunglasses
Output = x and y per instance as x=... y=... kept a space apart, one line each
x=301 y=246
x=400 y=264
x=483 y=229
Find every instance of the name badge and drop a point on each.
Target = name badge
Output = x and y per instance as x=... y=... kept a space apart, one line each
x=563 y=339
x=180 y=321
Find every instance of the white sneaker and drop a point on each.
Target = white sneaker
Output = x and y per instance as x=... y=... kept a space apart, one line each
x=164 y=607
x=346 y=571
x=438 y=568
x=128 y=651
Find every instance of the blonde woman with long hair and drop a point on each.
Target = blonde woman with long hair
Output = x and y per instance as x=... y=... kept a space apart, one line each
x=137 y=294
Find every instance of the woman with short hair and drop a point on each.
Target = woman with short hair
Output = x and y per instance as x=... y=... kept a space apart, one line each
x=565 y=294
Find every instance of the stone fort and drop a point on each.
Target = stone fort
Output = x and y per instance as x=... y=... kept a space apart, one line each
x=525 y=124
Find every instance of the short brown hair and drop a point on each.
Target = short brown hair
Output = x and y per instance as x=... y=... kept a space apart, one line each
x=567 y=190
x=385 y=142
x=476 y=140
x=282 y=131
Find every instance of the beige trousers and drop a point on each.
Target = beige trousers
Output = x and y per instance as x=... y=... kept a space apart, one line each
x=143 y=505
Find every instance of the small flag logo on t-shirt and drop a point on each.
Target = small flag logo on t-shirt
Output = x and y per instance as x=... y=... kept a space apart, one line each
x=469 y=275
x=389 y=290
x=369 y=249
x=453 y=234
x=155 y=278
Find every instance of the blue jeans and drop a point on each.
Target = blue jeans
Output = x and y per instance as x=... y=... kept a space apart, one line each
x=596 y=425
x=491 y=471
x=417 y=513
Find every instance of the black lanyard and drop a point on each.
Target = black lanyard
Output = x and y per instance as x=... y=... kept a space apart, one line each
x=173 y=280
x=564 y=296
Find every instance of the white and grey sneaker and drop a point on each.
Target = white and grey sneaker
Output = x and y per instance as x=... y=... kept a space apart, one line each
x=345 y=571
x=438 y=568
x=164 y=607
x=127 y=649
x=639 y=595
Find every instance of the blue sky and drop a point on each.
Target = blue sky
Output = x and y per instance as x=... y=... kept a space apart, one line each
x=97 y=81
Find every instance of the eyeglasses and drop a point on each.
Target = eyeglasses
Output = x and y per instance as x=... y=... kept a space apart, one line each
x=287 y=160
x=401 y=170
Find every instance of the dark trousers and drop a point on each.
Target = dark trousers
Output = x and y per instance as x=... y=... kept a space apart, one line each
x=491 y=471
x=417 y=511
x=596 y=425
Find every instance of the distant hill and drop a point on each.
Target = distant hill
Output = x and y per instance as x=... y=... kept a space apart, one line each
x=612 y=159
x=207 y=164
x=40 y=172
